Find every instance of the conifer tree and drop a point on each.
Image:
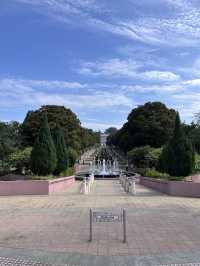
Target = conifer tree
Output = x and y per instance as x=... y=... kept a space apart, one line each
x=177 y=158
x=43 y=156
x=59 y=142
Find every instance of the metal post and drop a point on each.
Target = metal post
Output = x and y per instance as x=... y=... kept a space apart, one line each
x=124 y=226
x=90 y=239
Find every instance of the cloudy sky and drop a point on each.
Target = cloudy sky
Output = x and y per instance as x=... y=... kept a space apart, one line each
x=101 y=58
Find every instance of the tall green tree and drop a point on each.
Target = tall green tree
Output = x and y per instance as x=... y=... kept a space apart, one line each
x=149 y=124
x=60 y=145
x=43 y=156
x=177 y=158
x=9 y=139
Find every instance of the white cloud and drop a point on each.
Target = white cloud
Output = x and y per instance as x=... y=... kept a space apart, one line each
x=160 y=76
x=159 y=89
x=193 y=82
x=111 y=67
x=16 y=93
x=181 y=28
x=100 y=126
x=116 y=67
x=28 y=84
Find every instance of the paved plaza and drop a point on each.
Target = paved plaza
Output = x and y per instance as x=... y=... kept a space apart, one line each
x=54 y=230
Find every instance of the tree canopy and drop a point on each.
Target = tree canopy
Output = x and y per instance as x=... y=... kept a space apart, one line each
x=111 y=130
x=149 y=124
x=76 y=137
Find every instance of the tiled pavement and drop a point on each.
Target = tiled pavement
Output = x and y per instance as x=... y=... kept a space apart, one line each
x=53 y=230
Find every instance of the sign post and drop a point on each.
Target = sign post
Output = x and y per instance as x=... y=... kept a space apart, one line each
x=124 y=226
x=96 y=216
x=90 y=225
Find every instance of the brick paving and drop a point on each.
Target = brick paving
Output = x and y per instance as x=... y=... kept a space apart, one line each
x=161 y=230
x=23 y=262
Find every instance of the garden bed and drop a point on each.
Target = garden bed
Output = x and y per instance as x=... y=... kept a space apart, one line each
x=173 y=188
x=35 y=187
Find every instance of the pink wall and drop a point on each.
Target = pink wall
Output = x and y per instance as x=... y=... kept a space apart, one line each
x=30 y=187
x=173 y=188
x=34 y=187
x=160 y=185
x=60 y=184
x=185 y=189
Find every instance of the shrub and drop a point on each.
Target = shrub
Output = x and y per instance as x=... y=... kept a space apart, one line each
x=144 y=157
x=67 y=172
x=72 y=155
x=43 y=156
x=177 y=158
x=20 y=159
x=152 y=172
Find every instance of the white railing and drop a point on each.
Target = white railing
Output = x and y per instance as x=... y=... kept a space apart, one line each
x=87 y=184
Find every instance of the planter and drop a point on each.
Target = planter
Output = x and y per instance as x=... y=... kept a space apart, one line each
x=173 y=188
x=35 y=187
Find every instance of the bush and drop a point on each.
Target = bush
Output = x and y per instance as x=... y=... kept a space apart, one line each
x=68 y=172
x=177 y=158
x=20 y=159
x=144 y=157
x=155 y=174
x=197 y=162
x=72 y=156
x=43 y=156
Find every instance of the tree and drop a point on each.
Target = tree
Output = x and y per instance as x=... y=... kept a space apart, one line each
x=9 y=139
x=75 y=136
x=149 y=124
x=43 y=156
x=111 y=130
x=177 y=158
x=60 y=145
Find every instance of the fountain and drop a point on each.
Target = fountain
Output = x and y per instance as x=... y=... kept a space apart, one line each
x=106 y=169
x=104 y=172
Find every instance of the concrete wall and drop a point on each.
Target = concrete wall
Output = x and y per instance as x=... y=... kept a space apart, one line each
x=173 y=188
x=34 y=187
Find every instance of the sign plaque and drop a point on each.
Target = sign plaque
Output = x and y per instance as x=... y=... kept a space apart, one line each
x=103 y=217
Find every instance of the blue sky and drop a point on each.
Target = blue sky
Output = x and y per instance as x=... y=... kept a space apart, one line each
x=101 y=58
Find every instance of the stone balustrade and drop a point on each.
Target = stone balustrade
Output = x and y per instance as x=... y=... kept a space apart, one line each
x=87 y=184
x=128 y=183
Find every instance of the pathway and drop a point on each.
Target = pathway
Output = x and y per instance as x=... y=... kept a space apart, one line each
x=44 y=230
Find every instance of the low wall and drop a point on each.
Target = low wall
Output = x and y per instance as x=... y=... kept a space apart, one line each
x=157 y=184
x=34 y=187
x=60 y=184
x=173 y=188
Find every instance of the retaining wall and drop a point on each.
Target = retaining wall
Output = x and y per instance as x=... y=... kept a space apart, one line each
x=173 y=188
x=35 y=187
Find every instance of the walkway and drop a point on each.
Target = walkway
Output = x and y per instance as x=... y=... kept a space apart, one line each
x=44 y=230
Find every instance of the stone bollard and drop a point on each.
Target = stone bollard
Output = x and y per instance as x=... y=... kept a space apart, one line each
x=133 y=188
x=85 y=187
